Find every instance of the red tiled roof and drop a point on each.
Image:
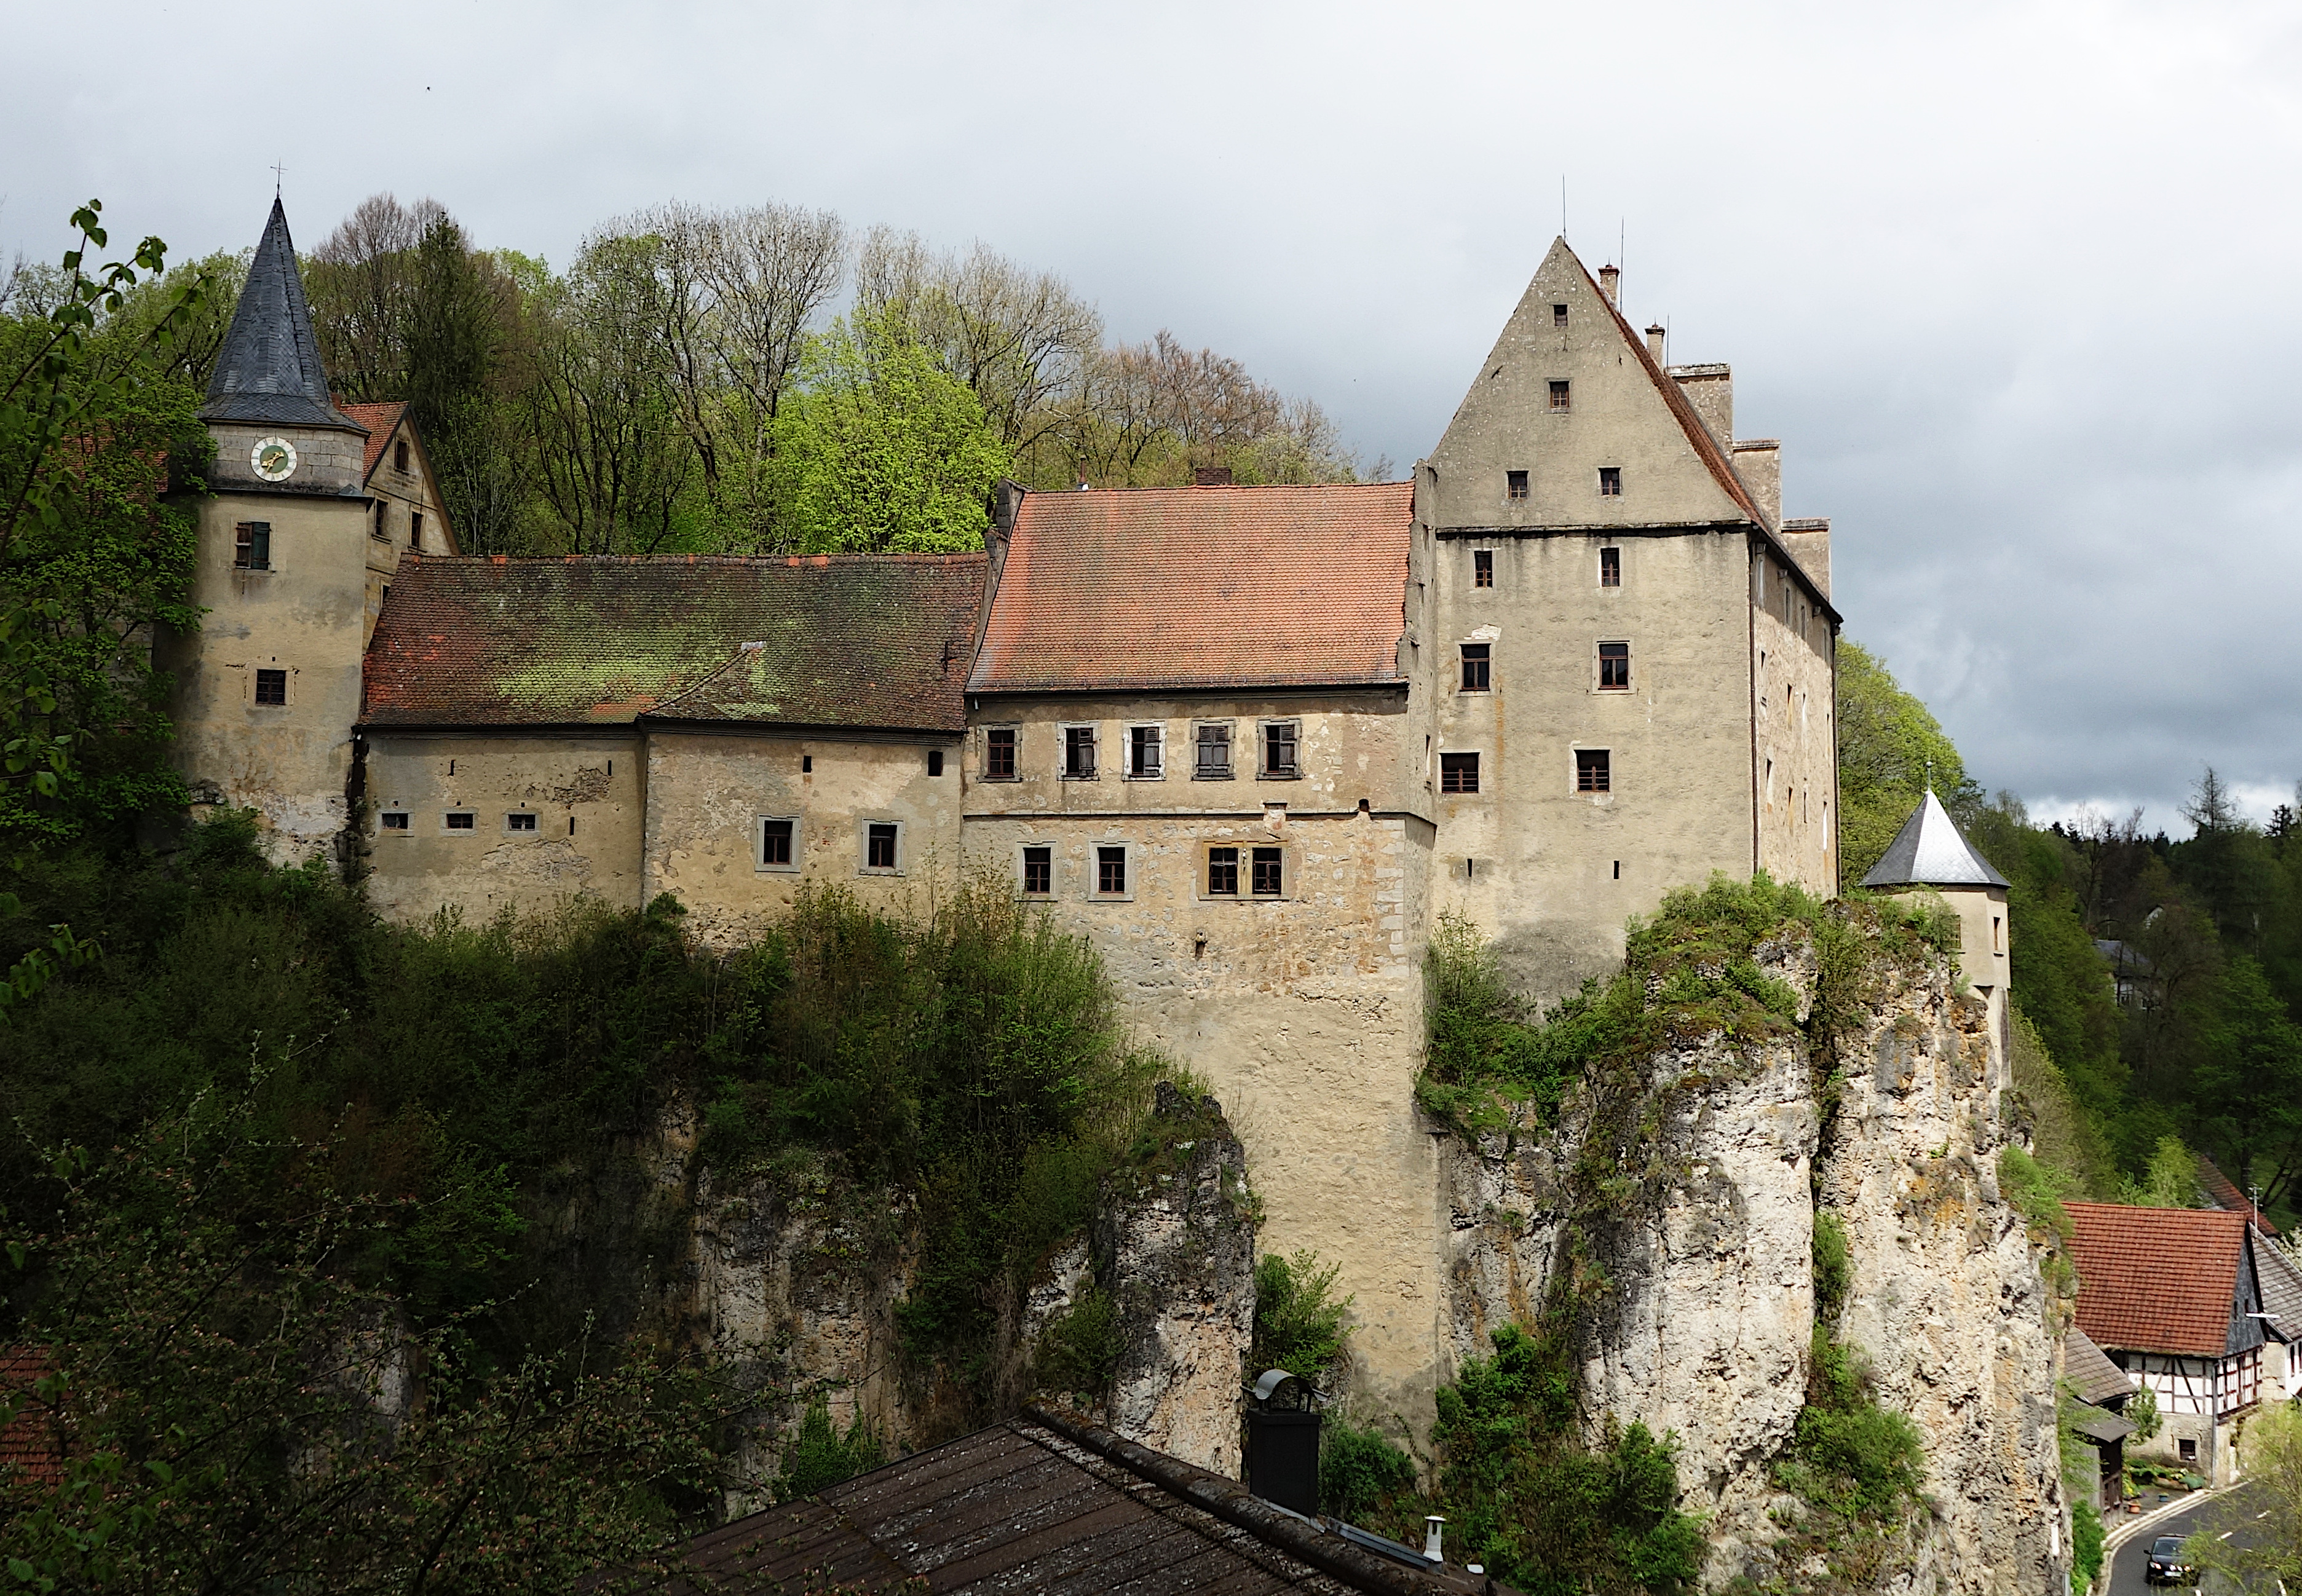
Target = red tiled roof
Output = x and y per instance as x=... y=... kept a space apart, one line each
x=1201 y=587
x=862 y=640
x=26 y=1444
x=2156 y=1279
x=380 y=421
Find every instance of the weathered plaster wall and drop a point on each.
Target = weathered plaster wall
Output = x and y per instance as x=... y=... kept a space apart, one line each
x=303 y=615
x=1793 y=693
x=403 y=494
x=588 y=795
x=709 y=791
x=1551 y=872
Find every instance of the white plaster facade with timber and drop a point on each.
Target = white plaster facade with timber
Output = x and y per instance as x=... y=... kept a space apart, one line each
x=1250 y=741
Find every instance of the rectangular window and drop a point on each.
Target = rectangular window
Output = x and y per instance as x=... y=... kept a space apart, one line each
x=520 y=821
x=1213 y=747
x=416 y=529
x=1038 y=872
x=999 y=753
x=775 y=844
x=935 y=761
x=1145 y=748
x=271 y=687
x=1558 y=316
x=1474 y=666
x=463 y=820
x=382 y=508
x=1614 y=667
x=1458 y=772
x=1560 y=397
x=1514 y=483
x=251 y=548
x=1592 y=771
x=396 y=820
x=400 y=455
x=2188 y=1449
x=1110 y=871
x=1483 y=568
x=879 y=846
x=1078 y=752
x=1222 y=872
x=1267 y=882
x=1278 y=750
x=1611 y=567
x=1610 y=482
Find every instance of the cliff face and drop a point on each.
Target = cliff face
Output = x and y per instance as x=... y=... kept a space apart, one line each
x=1709 y=1180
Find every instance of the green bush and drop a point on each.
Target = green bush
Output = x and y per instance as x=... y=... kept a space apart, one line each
x=1078 y=1346
x=819 y=1457
x=2087 y=1535
x=1848 y=1456
x=1298 y=1326
x=1834 y=1266
x=1360 y=1469
x=2037 y=1190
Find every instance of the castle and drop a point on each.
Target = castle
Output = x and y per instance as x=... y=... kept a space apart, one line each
x=1252 y=741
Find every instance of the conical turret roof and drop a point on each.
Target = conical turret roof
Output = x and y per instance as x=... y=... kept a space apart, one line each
x=269 y=368
x=1931 y=851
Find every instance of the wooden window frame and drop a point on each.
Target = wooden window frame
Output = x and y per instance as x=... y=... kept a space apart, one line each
x=1562 y=394
x=1515 y=486
x=1594 y=771
x=1619 y=658
x=1023 y=851
x=251 y=546
x=1135 y=744
x=1072 y=731
x=1478 y=662
x=991 y=746
x=1212 y=860
x=1483 y=568
x=789 y=865
x=1130 y=862
x=1611 y=567
x=864 y=827
x=1610 y=482
x=1455 y=765
x=1268 y=857
x=449 y=828
x=1264 y=730
x=1229 y=744
x=256 y=681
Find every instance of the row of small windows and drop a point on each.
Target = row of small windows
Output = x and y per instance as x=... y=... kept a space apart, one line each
x=414 y=522
x=1594 y=771
x=456 y=820
x=1142 y=752
x=1611 y=477
x=1614 y=667
x=1226 y=870
x=1483 y=561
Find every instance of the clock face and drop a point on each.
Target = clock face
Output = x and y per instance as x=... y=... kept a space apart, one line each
x=272 y=458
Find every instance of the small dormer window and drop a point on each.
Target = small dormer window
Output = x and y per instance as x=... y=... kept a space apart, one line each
x=399 y=455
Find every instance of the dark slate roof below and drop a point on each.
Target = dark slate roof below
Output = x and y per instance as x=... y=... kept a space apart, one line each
x=1045 y=1504
x=269 y=367
x=869 y=640
x=2280 y=1281
x=2089 y=1371
x=1931 y=851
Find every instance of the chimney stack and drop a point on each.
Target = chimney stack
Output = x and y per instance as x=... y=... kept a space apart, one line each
x=1211 y=477
x=1610 y=283
x=1654 y=341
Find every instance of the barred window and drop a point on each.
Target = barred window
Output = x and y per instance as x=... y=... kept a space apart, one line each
x=271 y=687
x=1458 y=772
x=1592 y=772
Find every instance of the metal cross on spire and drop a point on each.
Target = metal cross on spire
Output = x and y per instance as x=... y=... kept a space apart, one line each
x=278 y=177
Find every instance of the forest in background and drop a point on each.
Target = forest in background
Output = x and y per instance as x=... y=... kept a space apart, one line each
x=757 y=380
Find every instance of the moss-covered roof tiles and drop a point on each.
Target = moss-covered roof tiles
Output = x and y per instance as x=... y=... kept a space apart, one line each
x=856 y=640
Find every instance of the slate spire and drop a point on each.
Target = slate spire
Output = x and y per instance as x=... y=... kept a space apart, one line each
x=269 y=368
x=1931 y=851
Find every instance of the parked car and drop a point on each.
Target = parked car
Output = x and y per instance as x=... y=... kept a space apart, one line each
x=2167 y=1566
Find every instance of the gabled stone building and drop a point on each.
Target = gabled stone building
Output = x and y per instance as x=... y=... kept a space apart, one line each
x=1249 y=740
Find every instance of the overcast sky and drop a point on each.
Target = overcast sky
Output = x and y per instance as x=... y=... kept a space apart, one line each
x=2014 y=283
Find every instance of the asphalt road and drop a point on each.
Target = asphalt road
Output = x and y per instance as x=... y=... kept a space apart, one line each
x=2126 y=1567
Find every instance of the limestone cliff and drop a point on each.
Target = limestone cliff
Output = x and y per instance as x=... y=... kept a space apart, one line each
x=1690 y=1191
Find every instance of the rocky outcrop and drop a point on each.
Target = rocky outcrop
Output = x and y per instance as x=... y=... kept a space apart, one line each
x=1179 y=1256
x=1696 y=1223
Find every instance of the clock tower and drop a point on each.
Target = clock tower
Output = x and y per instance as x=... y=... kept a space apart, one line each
x=268 y=690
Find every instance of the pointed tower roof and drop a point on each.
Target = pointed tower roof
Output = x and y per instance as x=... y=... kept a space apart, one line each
x=269 y=368
x=1931 y=851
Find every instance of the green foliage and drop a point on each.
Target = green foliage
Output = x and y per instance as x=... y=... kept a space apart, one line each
x=2141 y=1411
x=1848 y=1456
x=96 y=428
x=1834 y=1266
x=1523 y=1494
x=819 y=1457
x=2171 y=1180
x=2065 y=1135
x=216 y=1357
x=1890 y=748
x=1360 y=1469
x=2037 y=1190
x=1080 y=1347
x=883 y=451
x=1299 y=1326
x=2087 y=1537
x=2254 y=1537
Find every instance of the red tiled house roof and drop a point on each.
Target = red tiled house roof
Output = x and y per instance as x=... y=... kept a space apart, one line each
x=1216 y=587
x=2158 y=1279
x=380 y=421
x=27 y=1444
x=855 y=640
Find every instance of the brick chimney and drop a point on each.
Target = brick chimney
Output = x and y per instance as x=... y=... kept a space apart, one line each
x=1610 y=283
x=1654 y=341
x=1211 y=477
